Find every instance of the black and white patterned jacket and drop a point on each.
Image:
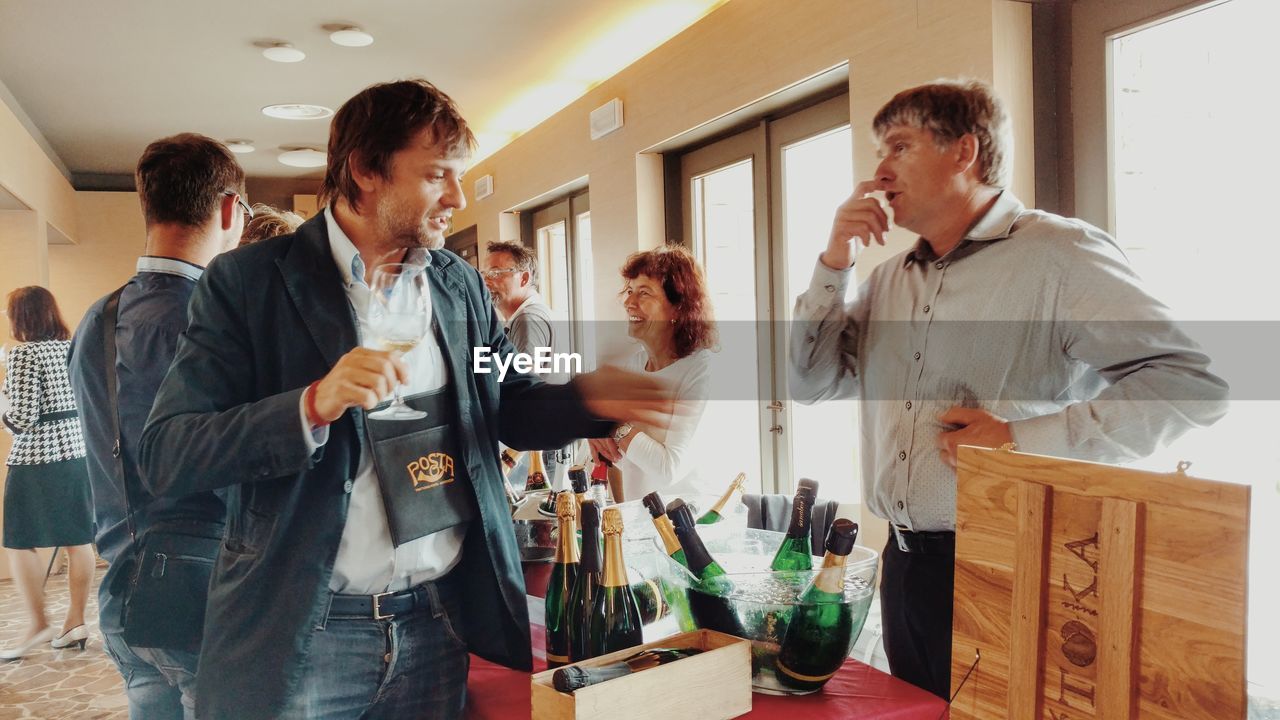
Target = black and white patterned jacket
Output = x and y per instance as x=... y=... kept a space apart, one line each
x=36 y=384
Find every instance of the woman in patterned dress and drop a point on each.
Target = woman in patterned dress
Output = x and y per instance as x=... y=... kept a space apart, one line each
x=47 y=501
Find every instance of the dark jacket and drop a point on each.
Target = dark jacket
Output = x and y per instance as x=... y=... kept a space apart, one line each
x=266 y=321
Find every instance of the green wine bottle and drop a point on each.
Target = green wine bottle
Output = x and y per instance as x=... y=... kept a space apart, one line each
x=588 y=586
x=560 y=586
x=818 y=636
x=796 y=551
x=698 y=560
x=666 y=531
x=716 y=513
x=578 y=481
x=615 y=620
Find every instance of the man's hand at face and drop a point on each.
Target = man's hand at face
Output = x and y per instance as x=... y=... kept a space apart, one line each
x=858 y=219
x=362 y=378
x=978 y=427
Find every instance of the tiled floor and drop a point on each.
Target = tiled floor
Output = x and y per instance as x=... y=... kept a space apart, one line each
x=57 y=684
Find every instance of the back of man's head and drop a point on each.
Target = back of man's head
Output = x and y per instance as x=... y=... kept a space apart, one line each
x=182 y=179
x=381 y=120
x=951 y=109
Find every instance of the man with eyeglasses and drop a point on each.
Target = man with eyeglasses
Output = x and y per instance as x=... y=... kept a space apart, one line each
x=192 y=194
x=511 y=274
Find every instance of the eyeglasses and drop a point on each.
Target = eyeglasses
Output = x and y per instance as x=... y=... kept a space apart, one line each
x=494 y=273
x=248 y=211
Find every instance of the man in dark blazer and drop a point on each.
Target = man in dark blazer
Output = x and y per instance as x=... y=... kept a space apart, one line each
x=319 y=606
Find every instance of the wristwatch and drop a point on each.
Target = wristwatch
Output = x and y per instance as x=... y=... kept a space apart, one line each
x=621 y=431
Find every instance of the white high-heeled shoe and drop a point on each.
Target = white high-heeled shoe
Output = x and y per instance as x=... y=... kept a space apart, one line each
x=78 y=634
x=18 y=651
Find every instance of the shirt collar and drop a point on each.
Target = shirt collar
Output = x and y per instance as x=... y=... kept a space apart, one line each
x=996 y=224
x=170 y=266
x=348 y=259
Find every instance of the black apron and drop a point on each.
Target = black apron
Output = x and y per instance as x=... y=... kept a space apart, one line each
x=424 y=482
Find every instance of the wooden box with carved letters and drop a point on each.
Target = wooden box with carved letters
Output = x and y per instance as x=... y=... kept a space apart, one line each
x=1094 y=591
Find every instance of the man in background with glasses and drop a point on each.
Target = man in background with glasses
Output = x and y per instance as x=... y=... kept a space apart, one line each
x=511 y=274
x=192 y=194
x=320 y=605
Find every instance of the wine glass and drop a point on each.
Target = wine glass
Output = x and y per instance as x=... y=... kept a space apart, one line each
x=398 y=321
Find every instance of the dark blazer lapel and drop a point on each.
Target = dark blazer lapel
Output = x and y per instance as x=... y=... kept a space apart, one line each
x=315 y=286
x=449 y=307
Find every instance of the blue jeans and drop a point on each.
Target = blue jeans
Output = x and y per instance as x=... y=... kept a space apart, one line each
x=413 y=667
x=160 y=684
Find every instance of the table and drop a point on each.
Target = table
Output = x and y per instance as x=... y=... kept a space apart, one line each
x=858 y=691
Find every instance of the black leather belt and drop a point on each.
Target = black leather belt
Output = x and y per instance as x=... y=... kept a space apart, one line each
x=383 y=606
x=938 y=542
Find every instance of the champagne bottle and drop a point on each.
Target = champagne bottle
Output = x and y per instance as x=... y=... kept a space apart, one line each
x=716 y=513
x=578 y=481
x=818 y=636
x=509 y=459
x=560 y=586
x=588 y=586
x=575 y=678
x=707 y=603
x=537 y=479
x=666 y=531
x=615 y=621
x=796 y=551
x=600 y=480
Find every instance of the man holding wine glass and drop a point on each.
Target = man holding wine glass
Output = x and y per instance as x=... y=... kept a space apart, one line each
x=365 y=555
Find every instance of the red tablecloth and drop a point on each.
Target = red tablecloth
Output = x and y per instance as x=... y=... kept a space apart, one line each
x=858 y=691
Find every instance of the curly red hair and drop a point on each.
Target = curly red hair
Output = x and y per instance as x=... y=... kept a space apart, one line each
x=686 y=290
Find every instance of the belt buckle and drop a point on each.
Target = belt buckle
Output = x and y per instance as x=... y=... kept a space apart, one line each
x=377 y=607
x=897 y=535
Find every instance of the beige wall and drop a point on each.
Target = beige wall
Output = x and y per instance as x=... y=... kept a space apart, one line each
x=1092 y=21
x=112 y=236
x=27 y=173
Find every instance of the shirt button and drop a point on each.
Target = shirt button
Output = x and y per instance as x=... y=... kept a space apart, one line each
x=926 y=308
x=917 y=356
x=908 y=404
x=900 y=505
x=902 y=456
x=938 y=265
x=347 y=486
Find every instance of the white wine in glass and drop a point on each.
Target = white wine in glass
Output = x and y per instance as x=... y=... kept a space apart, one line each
x=398 y=321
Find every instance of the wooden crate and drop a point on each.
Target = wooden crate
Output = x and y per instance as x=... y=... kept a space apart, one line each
x=1095 y=591
x=713 y=685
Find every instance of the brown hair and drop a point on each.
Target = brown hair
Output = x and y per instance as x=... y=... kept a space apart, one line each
x=951 y=109
x=34 y=315
x=381 y=120
x=268 y=222
x=181 y=179
x=526 y=260
x=686 y=290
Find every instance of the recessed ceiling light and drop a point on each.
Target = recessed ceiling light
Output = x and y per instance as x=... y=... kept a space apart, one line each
x=302 y=158
x=240 y=147
x=297 y=111
x=283 y=52
x=351 y=36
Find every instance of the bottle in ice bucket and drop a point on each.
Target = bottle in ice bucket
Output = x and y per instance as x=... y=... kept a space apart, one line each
x=818 y=636
x=716 y=513
x=600 y=480
x=564 y=574
x=509 y=459
x=578 y=481
x=796 y=550
x=707 y=602
x=588 y=586
x=537 y=479
x=615 y=621
x=666 y=531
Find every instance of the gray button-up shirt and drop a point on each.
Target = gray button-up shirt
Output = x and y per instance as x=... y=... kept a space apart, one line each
x=1034 y=317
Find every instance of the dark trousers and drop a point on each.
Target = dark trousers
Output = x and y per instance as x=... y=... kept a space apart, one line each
x=915 y=607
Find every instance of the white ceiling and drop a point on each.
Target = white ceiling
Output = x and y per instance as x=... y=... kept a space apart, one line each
x=100 y=80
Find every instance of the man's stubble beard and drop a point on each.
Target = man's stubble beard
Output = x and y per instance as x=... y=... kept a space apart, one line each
x=404 y=229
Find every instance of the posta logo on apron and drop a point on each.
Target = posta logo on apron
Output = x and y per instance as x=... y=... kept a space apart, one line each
x=430 y=471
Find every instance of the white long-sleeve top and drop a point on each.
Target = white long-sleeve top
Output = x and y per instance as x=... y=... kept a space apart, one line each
x=663 y=458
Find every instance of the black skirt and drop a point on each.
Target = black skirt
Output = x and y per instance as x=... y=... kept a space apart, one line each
x=48 y=505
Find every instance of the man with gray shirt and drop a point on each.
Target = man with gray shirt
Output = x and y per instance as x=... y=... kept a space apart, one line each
x=1001 y=325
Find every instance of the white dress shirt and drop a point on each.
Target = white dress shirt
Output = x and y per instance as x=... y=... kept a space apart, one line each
x=368 y=562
